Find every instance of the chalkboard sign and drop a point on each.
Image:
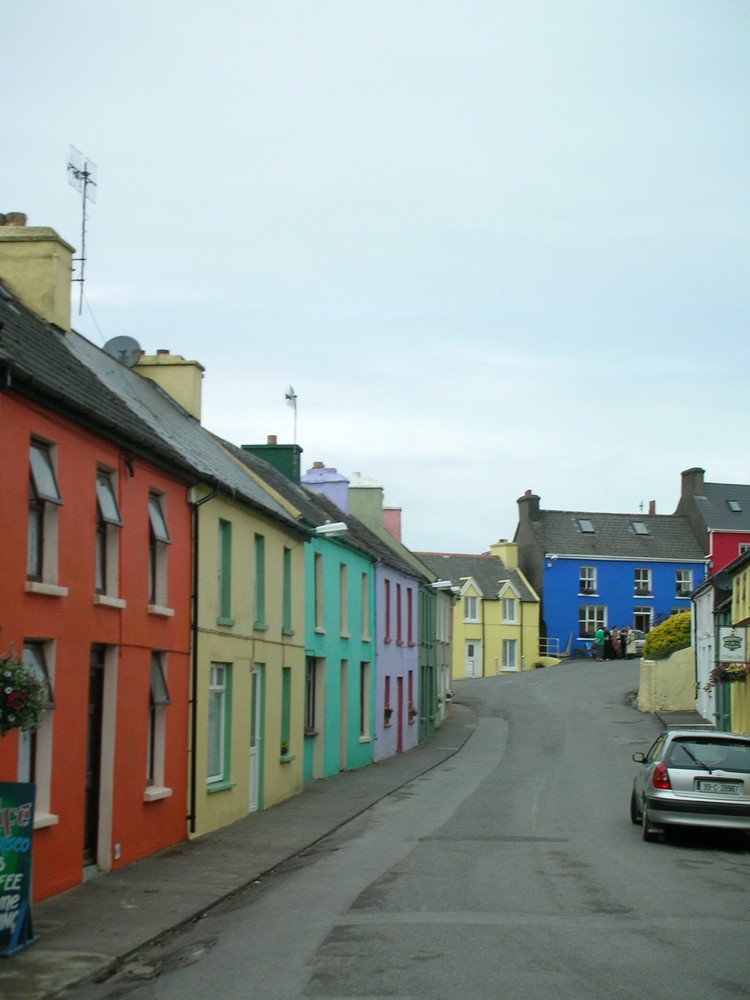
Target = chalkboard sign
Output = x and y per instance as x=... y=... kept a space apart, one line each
x=16 y=826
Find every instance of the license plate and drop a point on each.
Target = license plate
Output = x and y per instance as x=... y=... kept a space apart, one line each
x=719 y=787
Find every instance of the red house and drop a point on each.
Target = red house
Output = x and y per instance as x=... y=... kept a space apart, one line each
x=719 y=514
x=96 y=586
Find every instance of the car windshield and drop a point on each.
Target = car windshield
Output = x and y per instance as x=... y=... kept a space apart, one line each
x=709 y=755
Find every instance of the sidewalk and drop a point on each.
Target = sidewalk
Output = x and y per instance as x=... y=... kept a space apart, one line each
x=89 y=930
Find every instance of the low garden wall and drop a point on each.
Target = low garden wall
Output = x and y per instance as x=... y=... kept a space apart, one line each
x=668 y=685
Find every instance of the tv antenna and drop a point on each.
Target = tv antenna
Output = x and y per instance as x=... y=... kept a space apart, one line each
x=82 y=176
x=291 y=397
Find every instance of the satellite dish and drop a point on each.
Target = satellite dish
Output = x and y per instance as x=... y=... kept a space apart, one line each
x=126 y=350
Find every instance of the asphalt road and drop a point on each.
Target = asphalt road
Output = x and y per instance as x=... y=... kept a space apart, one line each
x=512 y=870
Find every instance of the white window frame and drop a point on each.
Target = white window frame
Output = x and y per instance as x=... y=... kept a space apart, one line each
x=683 y=582
x=218 y=709
x=108 y=524
x=510 y=657
x=591 y=617
x=642 y=582
x=157 y=729
x=39 y=656
x=42 y=544
x=509 y=610
x=587 y=580
x=158 y=541
x=471 y=608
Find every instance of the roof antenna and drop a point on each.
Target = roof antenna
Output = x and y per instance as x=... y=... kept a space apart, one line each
x=291 y=397
x=82 y=176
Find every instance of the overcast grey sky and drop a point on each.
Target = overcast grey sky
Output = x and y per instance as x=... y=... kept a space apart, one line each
x=493 y=246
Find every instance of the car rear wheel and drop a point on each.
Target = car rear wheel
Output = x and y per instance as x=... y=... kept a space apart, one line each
x=650 y=832
x=635 y=812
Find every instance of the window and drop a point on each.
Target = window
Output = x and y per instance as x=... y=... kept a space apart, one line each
x=224 y=574
x=470 y=609
x=509 y=654
x=286 y=710
x=585 y=526
x=684 y=582
x=343 y=600
x=158 y=702
x=643 y=582
x=365 y=606
x=286 y=594
x=310 y=694
x=259 y=544
x=410 y=615
x=587 y=580
x=364 y=701
x=218 y=723
x=44 y=499
x=35 y=748
x=743 y=547
x=318 y=584
x=387 y=610
x=108 y=522
x=734 y=505
x=509 y=609
x=158 y=541
x=639 y=528
x=590 y=618
x=399 y=631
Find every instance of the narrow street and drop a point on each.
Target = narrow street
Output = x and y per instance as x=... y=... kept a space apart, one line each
x=512 y=870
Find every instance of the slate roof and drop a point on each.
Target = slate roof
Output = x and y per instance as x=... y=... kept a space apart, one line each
x=316 y=509
x=488 y=571
x=73 y=377
x=714 y=508
x=668 y=537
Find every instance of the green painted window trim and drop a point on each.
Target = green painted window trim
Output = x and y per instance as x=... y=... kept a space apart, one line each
x=225 y=573
x=286 y=708
x=260 y=583
x=286 y=596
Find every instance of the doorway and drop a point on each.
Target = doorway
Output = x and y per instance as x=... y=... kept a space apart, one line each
x=256 y=717
x=93 y=757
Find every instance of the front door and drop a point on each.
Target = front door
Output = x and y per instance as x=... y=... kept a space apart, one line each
x=256 y=692
x=473 y=658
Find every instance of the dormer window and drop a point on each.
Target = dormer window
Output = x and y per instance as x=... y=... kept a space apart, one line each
x=585 y=526
x=639 y=528
x=734 y=505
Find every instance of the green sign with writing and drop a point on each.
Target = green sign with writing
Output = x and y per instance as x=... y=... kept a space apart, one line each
x=16 y=826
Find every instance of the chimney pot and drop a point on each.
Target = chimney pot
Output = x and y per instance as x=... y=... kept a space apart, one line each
x=272 y=439
x=163 y=350
x=652 y=506
x=15 y=219
x=318 y=465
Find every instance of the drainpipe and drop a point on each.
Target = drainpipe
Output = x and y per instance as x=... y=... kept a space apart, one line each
x=195 y=504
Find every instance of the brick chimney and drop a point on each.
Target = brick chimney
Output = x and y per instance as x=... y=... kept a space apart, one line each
x=528 y=507
x=329 y=483
x=37 y=265
x=693 y=484
x=392 y=521
x=179 y=378
x=285 y=458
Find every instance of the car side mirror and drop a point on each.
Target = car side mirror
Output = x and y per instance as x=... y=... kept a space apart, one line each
x=639 y=758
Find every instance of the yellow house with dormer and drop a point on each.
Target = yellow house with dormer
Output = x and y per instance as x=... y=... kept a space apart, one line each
x=496 y=614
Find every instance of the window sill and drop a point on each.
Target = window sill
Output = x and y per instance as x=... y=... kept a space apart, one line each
x=365 y=739
x=49 y=589
x=226 y=622
x=345 y=635
x=43 y=819
x=287 y=758
x=258 y=626
x=161 y=612
x=109 y=602
x=154 y=792
x=287 y=631
x=220 y=786
x=411 y=644
x=319 y=630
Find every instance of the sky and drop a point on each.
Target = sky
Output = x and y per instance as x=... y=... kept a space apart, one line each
x=493 y=245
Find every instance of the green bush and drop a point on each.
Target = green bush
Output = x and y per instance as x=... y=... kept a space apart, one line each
x=667 y=638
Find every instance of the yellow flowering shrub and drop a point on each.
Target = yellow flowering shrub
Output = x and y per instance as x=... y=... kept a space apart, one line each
x=667 y=638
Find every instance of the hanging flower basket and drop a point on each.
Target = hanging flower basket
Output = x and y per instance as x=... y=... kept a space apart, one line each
x=23 y=696
x=727 y=673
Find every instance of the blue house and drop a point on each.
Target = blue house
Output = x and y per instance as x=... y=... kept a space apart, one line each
x=596 y=569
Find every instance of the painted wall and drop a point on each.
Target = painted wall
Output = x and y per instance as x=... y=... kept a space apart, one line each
x=233 y=635
x=615 y=590
x=725 y=547
x=668 y=685
x=69 y=622
x=339 y=635
x=397 y=676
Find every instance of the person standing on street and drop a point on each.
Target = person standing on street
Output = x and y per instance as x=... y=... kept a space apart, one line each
x=599 y=644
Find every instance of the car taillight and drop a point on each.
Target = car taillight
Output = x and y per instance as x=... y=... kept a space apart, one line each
x=660 y=777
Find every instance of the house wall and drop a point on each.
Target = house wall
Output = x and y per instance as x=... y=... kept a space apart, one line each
x=725 y=547
x=342 y=646
x=615 y=590
x=70 y=622
x=243 y=643
x=397 y=666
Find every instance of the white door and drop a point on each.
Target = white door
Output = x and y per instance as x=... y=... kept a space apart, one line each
x=256 y=692
x=473 y=658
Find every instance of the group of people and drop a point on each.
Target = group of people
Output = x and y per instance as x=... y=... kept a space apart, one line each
x=614 y=644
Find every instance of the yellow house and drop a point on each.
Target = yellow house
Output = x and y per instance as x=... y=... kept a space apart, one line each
x=247 y=643
x=496 y=615
x=739 y=572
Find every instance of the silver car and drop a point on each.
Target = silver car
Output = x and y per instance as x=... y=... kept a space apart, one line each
x=692 y=777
